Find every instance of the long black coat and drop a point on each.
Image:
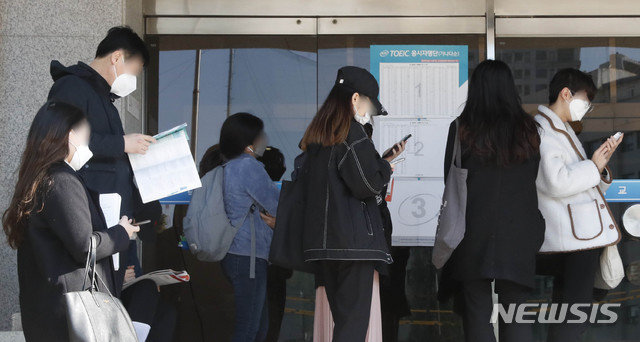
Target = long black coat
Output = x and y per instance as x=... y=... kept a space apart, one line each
x=52 y=257
x=109 y=170
x=504 y=228
x=342 y=219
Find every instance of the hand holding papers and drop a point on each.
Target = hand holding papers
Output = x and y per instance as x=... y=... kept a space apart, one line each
x=162 y=277
x=167 y=168
x=110 y=205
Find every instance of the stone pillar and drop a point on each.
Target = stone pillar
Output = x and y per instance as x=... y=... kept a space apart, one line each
x=32 y=33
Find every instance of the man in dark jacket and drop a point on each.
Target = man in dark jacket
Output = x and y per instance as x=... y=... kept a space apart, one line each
x=120 y=56
x=93 y=87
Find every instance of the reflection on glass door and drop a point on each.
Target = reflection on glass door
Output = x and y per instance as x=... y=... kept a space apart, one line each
x=614 y=64
x=273 y=78
x=282 y=80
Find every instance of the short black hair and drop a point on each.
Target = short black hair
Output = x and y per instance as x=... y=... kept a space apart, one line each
x=239 y=131
x=273 y=161
x=573 y=79
x=123 y=37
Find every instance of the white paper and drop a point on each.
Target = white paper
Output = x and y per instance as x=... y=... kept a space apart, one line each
x=110 y=205
x=424 y=151
x=414 y=207
x=162 y=277
x=421 y=89
x=422 y=99
x=167 y=168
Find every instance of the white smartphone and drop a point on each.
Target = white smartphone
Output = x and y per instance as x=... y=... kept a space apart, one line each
x=617 y=135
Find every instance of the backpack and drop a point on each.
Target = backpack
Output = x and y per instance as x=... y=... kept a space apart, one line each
x=207 y=228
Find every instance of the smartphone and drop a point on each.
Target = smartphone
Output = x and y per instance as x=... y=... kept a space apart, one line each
x=393 y=149
x=140 y=223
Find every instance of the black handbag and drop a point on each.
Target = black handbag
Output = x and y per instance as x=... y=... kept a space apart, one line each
x=93 y=315
x=286 y=245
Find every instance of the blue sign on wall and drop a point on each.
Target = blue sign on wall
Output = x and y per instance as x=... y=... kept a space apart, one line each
x=181 y=198
x=419 y=54
x=623 y=190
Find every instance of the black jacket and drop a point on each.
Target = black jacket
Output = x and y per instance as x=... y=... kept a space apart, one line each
x=504 y=228
x=342 y=219
x=52 y=257
x=109 y=170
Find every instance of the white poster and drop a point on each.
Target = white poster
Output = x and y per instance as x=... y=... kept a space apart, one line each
x=423 y=149
x=414 y=208
x=423 y=88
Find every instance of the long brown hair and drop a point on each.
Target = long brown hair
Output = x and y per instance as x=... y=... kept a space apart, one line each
x=331 y=124
x=47 y=143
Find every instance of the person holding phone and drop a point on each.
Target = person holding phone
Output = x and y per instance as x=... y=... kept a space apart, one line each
x=51 y=219
x=395 y=147
x=579 y=222
x=395 y=150
x=342 y=233
x=249 y=195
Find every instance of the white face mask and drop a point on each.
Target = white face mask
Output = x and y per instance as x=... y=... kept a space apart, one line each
x=578 y=108
x=124 y=84
x=362 y=119
x=81 y=156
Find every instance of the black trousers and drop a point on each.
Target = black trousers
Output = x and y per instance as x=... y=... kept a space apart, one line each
x=478 y=306
x=276 y=299
x=573 y=277
x=393 y=297
x=349 y=285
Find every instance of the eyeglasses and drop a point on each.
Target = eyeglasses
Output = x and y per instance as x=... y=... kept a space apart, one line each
x=589 y=108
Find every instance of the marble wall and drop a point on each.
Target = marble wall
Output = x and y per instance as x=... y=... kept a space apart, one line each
x=32 y=33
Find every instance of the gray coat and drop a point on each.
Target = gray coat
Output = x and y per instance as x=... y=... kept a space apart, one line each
x=52 y=256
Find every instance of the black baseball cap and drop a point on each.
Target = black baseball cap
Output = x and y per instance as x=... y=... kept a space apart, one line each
x=362 y=82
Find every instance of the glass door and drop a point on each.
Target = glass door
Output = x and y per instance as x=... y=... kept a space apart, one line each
x=614 y=64
x=283 y=80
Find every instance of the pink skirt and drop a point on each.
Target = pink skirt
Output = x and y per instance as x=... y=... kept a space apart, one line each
x=323 y=321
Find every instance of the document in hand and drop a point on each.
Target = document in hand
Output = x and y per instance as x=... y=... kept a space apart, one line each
x=161 y=277
x=110 y=206
x=167 y=168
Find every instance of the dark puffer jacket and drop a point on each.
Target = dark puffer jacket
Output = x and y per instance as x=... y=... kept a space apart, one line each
x=342 y=219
